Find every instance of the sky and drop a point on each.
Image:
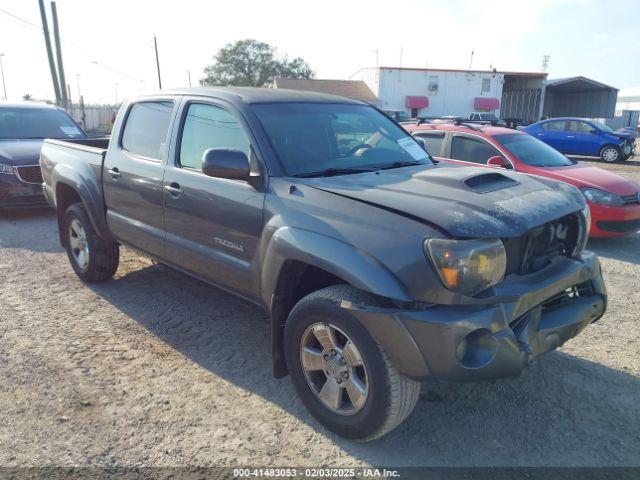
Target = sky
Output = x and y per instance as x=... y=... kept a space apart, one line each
x=108 y=45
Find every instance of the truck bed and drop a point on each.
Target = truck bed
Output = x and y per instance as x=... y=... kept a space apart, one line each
x=84 y=157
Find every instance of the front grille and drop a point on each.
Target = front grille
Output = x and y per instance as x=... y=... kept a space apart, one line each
x=567 y=296
x=539 y=246
x=30 y=174
x=635 y=198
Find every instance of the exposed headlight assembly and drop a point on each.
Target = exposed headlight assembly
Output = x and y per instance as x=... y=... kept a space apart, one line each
x=6 y=169
x=601 y=197
x=468 y=266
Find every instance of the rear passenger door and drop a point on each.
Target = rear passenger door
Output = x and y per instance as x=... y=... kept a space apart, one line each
x=132 y=175
x=554 y=134
x=212 y=224
x=471 y=149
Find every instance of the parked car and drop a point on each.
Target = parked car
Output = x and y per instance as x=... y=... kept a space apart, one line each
x=23 y=127
x=515 y=123
x=486 y=117
x=398 y=115
x=377 y=267
x=614 y=201
x=575 y=136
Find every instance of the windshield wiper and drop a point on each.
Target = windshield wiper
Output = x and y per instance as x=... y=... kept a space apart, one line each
x=406 y=163
x=330 y=172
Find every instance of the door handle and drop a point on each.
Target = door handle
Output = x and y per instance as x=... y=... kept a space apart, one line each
x=541 y=134
x=174 y=189
x=114 y=172
x=571 y=136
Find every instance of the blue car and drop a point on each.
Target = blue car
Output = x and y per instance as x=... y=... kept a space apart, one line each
x=576 y=136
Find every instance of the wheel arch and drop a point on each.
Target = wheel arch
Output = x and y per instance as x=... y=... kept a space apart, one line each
x=298 y=262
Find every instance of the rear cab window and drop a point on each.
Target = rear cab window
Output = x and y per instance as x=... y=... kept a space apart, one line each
x=146 y=128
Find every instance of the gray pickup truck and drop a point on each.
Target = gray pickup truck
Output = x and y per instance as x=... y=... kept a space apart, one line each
x=379 y=268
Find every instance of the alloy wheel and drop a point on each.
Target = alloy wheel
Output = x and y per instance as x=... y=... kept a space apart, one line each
x=610 y=155
x=334 y=368
x=78 y=243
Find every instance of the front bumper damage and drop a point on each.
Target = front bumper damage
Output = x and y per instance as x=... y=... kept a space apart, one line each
x=471 y=343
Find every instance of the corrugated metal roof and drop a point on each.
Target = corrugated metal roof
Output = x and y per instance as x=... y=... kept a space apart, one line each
x=355 y=89
x=576 y=84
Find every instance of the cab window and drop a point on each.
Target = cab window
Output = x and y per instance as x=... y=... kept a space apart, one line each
x=146 y=129
x=472 y=150
x=579 y=127
x=208 y=126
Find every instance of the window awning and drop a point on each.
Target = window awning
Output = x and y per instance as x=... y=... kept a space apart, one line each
x=417 y=102
x=484 y=103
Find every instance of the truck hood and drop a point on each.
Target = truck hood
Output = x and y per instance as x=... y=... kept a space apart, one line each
x=462 y=201
x=20 y=152
x=594 y=177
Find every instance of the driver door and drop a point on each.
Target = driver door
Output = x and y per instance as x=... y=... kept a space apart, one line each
x=212 y=224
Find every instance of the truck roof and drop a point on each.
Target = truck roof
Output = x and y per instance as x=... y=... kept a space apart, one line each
x=258 y=95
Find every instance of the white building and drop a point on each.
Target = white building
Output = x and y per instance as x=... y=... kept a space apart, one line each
x=431 y=92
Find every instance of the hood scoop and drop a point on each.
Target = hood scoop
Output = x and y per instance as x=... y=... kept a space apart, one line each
x=489 y=182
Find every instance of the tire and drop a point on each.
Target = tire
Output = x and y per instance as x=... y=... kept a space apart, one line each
x=390 y=396
x=101 y=260
x=610 y=154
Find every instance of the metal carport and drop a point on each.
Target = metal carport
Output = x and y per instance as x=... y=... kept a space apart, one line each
x=579 y=97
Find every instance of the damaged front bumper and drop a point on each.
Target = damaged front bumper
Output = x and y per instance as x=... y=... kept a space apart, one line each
x=471 y=343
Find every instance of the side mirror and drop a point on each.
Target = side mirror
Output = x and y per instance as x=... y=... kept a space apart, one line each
x=498 y=161
x=224 y=163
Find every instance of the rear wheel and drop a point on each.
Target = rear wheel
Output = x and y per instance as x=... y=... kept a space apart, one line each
x=610 y=154
x=93 y=259
x=341 y=374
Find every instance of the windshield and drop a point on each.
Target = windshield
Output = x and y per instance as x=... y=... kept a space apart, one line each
x=488 y=116
x=604 y=127
x=324 y=138
x=22 y=123
x=533 y=151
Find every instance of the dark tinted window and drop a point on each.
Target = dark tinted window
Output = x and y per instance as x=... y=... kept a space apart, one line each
x=532 y=151
x=472 y=150
x=37 y=122
x=433 y=140
x=145 y=132
x=205 y=127
x=554 y=126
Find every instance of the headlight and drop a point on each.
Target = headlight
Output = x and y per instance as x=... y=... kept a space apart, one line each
x=468 y=266
x=601 y=197
x=583 y=237
x=6 y=169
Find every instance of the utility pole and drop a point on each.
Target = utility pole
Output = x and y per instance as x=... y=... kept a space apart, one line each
x=189 y=76
x=47 y=42
x=56 y=37
x=155 y=44
x=78 y=84
x=4 y=84
x=471 y=60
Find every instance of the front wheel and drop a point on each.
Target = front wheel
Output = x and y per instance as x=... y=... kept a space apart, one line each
x=93 y=259
x=341 y=374
x=610 y=154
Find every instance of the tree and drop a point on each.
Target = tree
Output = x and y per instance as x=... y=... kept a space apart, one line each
x=249 y=63
x=26 y=97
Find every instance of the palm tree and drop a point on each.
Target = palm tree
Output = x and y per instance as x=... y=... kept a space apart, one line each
x=26 y=97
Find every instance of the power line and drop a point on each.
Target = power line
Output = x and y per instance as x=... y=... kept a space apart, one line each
x=33 y=25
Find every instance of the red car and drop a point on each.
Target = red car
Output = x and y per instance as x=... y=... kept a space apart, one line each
x=614 y=201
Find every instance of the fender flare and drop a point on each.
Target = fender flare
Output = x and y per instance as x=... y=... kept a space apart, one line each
x=89 y=189
x=334 y=256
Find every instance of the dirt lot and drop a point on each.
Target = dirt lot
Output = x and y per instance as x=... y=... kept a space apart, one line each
x=157 y=369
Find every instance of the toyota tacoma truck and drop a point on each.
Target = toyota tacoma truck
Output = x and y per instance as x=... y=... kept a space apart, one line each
x=379 y=267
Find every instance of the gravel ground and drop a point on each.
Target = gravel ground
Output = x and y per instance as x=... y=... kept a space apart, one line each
x=157 y=369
